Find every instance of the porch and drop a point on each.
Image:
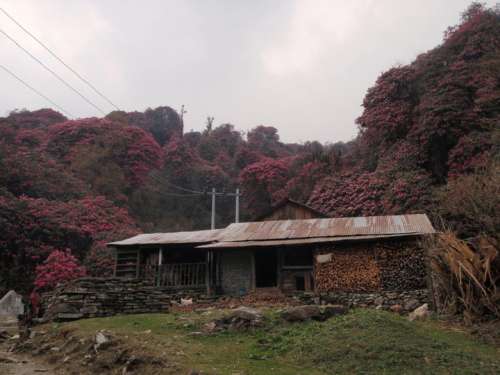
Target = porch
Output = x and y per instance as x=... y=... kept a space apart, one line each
x=179 y=268
x=228 y=271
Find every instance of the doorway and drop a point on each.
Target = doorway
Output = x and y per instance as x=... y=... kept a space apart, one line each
x=266 y=268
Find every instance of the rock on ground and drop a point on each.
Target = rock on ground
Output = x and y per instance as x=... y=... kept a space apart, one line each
x=312 y=312
x=419 y=313
x=302 y=313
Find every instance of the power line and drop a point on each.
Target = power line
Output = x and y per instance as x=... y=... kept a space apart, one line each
x=52 y=72
x=160 y=179
x=60 y=60
x=168 y=194
x=35 y=90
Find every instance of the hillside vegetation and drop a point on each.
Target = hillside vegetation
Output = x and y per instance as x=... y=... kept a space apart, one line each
x=362 y=342
x=429 y=131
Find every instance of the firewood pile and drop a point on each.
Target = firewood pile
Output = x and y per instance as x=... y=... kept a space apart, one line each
x=402 y=265
x=348 y=270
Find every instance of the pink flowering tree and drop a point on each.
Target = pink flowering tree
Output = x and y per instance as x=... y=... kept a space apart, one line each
x=59 y=267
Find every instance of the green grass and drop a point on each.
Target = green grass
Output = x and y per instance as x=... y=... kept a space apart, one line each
x=362 y=342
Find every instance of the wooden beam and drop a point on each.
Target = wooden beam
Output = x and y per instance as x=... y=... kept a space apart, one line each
x=115 y=253
x=138 y=263
x=253 y=283
x=207 y=271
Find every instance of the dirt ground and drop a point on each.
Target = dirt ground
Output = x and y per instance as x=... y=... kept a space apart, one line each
x=14 y=364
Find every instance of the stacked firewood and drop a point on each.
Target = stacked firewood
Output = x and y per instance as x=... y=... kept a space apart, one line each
x=353 y=270
x=402 y=265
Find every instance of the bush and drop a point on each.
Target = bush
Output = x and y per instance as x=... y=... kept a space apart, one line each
x=59 y=267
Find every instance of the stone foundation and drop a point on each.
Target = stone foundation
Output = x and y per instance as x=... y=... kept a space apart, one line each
x=408 y=300
x=99 y=297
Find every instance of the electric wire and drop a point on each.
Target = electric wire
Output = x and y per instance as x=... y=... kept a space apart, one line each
x=168 y=194
x=60 y=60
x=160 y=179
x=52 y=72
x=8 y=71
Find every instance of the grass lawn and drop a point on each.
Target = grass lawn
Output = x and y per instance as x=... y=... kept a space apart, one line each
x=363 y=341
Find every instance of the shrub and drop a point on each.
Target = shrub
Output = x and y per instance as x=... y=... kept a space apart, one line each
x=59 y=267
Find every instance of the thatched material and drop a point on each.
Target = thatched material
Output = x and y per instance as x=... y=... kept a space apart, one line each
x=466 y=278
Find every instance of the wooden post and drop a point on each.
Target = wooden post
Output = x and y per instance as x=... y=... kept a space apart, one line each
x=207 y=271
x=160 y=262
x=253 y=282
x=212 y=221
x=138 y=263
x=217 y=270
x=279 y=265
x=115 y=253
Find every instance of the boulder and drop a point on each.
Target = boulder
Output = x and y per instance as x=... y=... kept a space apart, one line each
x=242 y=318
x=210 y=327
x=332 y=310
x=11 y=304
x=246 y=313
x=411 y=304
x=102 y=341
x=419 y=313
x=396 y=309
x=302 y=313
x=4 y=335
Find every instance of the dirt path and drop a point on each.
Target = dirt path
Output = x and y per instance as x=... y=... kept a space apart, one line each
x=14 y=364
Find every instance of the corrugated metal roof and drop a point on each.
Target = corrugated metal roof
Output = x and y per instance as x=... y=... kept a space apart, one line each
x=191 y=237
x=267 y=233
x=332 y=227
x=300 y=241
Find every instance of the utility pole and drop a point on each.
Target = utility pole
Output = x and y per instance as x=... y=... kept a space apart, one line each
x=212 y=226
x=237 y=208
x=236 y=196
x=182 y=116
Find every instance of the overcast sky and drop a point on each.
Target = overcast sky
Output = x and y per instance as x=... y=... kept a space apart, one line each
x=300 y=66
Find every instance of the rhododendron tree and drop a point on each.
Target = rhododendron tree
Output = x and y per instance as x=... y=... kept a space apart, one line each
x=163 y=123
x=263 y=184
x=33 y=228
x=81 y=183
x=107 y=145
x=41 y=118
x=59 y=267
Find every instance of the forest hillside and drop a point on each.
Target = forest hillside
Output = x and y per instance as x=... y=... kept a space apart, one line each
x=428 y=141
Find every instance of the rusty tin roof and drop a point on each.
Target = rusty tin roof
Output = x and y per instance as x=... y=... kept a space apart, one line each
x=375 y=226
x=191 y=237
x=300 y=241
x=283 y=232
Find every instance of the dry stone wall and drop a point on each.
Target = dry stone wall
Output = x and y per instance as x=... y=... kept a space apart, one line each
x=407 y=300
x=98 y=297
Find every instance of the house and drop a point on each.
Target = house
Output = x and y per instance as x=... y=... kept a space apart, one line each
x=289 y=209
x=360 y=254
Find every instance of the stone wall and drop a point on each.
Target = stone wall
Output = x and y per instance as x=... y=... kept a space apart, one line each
x=98 y=297
x=237 y=271
x=407 y=300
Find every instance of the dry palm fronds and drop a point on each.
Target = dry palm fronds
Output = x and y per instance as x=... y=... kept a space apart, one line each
x=466 y=278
